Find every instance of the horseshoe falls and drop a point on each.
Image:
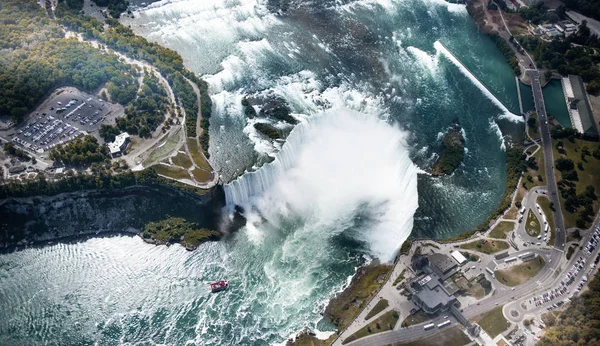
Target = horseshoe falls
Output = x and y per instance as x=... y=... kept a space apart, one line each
x=372 y=96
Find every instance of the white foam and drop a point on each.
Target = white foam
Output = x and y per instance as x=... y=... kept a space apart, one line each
x=325 y=176
x=506 y=114
x=496 y=129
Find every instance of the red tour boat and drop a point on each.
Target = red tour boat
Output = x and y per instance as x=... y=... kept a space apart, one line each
x=219 y=286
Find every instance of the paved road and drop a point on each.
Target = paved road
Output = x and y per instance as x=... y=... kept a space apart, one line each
x=538 y=98
x=555 y=283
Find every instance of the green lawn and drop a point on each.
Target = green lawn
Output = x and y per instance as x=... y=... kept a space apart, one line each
x=453 y=336
x=493 y=322
x=520 y=273
x=171 y=172
x=534 y=132
x=486 y=246
x=197 y=155
x=164 y=149
x=588 y=176
x=416 y=318
x=570 y=251
x=385 y=322
x=544 y=203
x=344 y=307
x=535 y=173
x=379 y=307
x=182 y=160
x=501 y=230
x=201 y=175
x=532 y=225
x=400 y=278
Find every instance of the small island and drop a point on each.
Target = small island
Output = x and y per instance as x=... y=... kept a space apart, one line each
x=178 y=230
x=453 y=151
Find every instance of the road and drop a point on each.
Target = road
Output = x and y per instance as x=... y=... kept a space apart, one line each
x=548 y=277
x=592 y=24
x=538 y=98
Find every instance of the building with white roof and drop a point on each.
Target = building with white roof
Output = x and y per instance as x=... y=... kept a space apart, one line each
x=458 y=257
x=117 y=147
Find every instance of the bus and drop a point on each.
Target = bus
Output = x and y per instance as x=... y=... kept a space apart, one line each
x=443 y=324
x=491 y=272
x=428 y=326
x=510 y=259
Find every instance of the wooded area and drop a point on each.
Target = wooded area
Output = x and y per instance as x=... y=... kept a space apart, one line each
x=578 y=324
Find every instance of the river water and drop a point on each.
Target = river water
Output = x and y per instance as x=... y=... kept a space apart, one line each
x=373 y=89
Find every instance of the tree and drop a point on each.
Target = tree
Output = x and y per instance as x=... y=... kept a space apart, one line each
x=563 y=164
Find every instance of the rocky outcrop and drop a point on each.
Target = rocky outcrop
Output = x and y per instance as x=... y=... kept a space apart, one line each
x=453 y=152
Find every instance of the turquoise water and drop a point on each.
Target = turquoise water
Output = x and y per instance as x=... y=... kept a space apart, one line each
x=527 y=97
x=555 y=103
x=329 y=57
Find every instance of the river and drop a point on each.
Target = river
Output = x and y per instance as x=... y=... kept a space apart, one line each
x=373 y=94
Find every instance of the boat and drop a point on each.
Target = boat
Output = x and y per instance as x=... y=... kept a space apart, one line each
x=219 y=286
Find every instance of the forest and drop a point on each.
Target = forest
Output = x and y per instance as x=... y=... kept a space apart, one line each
x=37 y=58
x=578 y=324
x=80 y=152
x=144 y=113
x=72 y=181
x=590 y=8
x=167 y=61
x=566 y=59
x=176 y=229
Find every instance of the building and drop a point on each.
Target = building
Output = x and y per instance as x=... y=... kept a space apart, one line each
x=430 y=295
x=117 y=148
x=548 y=30
x=459 y=258
x=579 y=107
x=442 y=265
x=568 y=28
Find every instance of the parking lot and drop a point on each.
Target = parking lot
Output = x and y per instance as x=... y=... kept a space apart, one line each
x=66 y=115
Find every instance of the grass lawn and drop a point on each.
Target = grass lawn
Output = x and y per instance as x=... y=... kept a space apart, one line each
x=171 y=172
x=344 y=307
x=493 y=322
x=452 y=337
x=384 y=323
x=588 y=176
x=501 y=230
x=486 y=246
x=416 y=318
x=306 y=339
x=379 y=307
x=520 y=273
x=164 y=149
x=182 y=160
x=476 y=291
x=573 y=236
x=535 y=173
x=196 y=154
x=570 y=251
x=532 y=225
x=400 y=278
x=544 y=203
x=201 y=175
x=534 y=131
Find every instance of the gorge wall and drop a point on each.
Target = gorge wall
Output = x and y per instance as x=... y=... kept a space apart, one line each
x=37 y=219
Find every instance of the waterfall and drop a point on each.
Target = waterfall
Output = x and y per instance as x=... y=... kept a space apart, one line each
x=340 y=170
